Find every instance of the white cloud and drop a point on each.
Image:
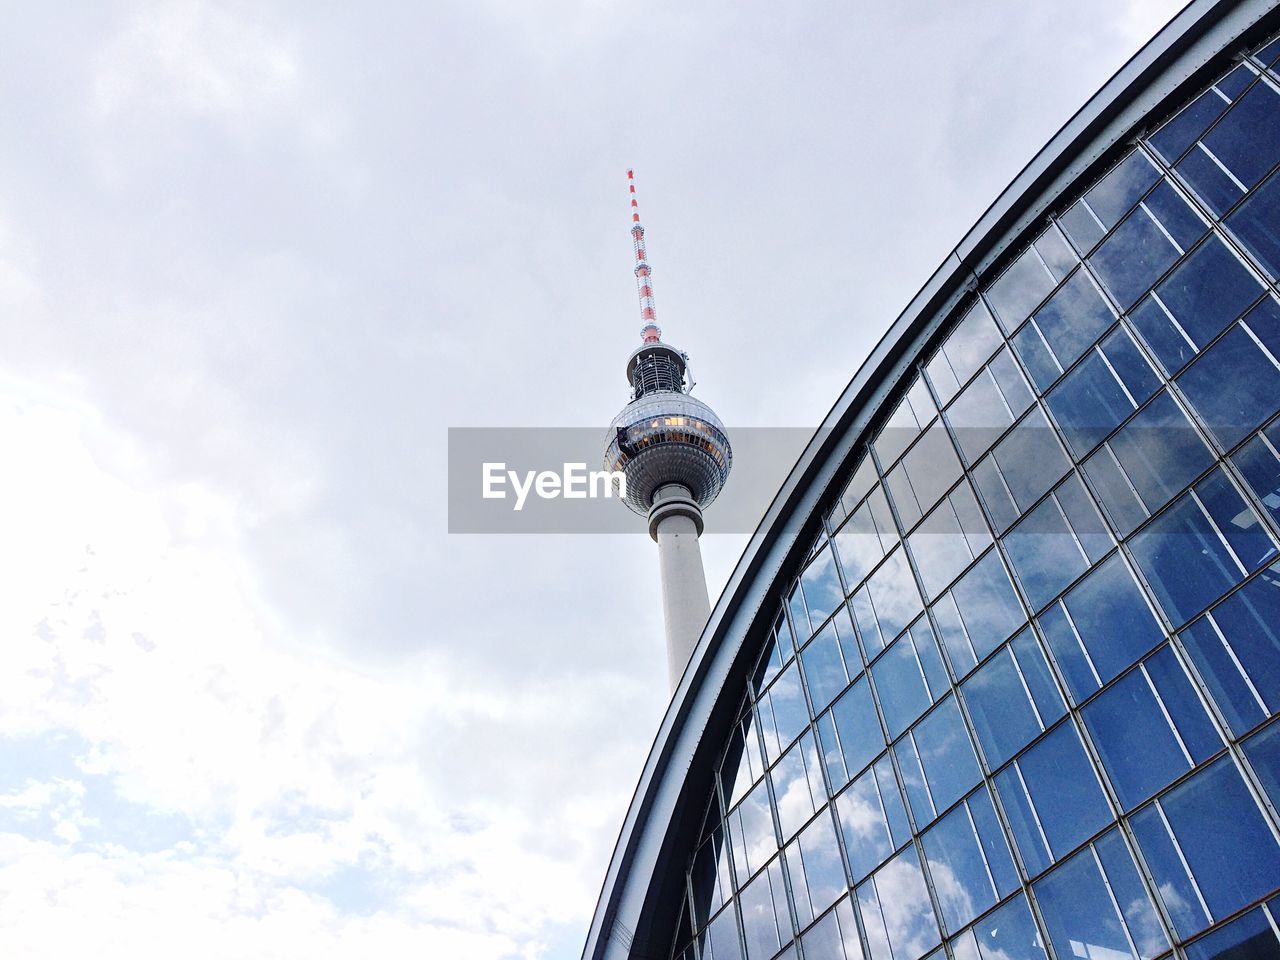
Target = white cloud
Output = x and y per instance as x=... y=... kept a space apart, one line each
x=134 y=629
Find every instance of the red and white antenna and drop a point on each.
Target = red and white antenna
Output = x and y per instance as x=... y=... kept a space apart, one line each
x=644 y=276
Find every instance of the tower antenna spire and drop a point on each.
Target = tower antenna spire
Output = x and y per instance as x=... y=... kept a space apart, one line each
x=650 y=331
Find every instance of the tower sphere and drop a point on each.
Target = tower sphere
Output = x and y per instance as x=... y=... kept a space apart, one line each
x=665 y=435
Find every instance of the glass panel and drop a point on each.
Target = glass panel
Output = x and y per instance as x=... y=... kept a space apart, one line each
x=1238 y=359
x=946 y=755
x=1256 y=222
x=1044 y=553
x=954 y=855
x=1238 y=524
x=1081 y=916
x=894 y=599
x=1222 y=838
x=896 y=910
x=822 y=589
x=1000 y=699
x=1132 y=258
x=797 y=786
x=1030 y=459
x=1185 y=560
x=859 y=546
x=858 y=739
x=1159 y=451
x=1263 y=751
x=1117 y=192
x=835 y=936
x=1171 y=344
x=1247 y=938
x=979 y=415
x=765 y=918
x=948 y=539
x=1066 y=799
x=1056 y=254
x=866 y=812
x=1016 y=292
x=722 y=941
x=751 y=832
x=1208 y=290
x=1236 y=650
x=931 y=466
x=983 y=611
x=1129 y=893
x=783 y=712
x=1259 y=463
x=1211 y=183
x=1247 y=139
x=824 y=669
x=817 y=871
x=742 y=765
x=1009 y=933
x=965 y=350
x=1074 y=318
x=1183 y=130
x=900 y=684
x=710 y=878
x=1106 y=626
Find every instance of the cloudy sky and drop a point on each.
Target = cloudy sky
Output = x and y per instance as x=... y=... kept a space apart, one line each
x=255 y=702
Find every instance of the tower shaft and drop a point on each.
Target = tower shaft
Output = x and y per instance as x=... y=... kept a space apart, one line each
x=675 y=522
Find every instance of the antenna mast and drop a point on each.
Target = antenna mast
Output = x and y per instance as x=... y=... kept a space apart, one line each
x=644 y=276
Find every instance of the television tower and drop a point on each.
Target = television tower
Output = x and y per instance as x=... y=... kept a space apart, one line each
x=674 y=453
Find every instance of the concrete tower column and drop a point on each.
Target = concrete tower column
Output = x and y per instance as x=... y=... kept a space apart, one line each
x=675 y=522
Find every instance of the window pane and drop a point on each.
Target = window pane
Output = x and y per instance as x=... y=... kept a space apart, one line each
x=894 y=600
x=1263 y=751
x=752 y=834
x=817 y=871
x=900 y=684
x=1256 y=222
x=1237 y=359
x=948 y=539
x=1113 y=627
x=895 y=907
x=797 y=786
x=783 y=713
x=1080 y=916
x=967 y=349
x=1016 y=292
x=1247 y=938
x=1260 y=465
x=1009 y=933
x=1044 y=553
x=1000 y=699
x=1221 y=835
x=1236 y=650
x=1117 y=192
x=765 y=918
x=1159 y=451
x=821 y=586
x=946 y=754
x=859 y=546
x=1074 y=318
x=954 y=856
x=1138 y=747
x=722 y=941
x=710 y=877
x=1247 y=139
x=1031 y=459
x=835 y=936
x=931 y=466
x=851 y=736
x=1133 y=257
x=1135 y=906
x=979 y=415
x=1064 y=791
x=864 y=812
x=824 y=669
x=1089 y=403
x=1208 y=290
x=1238 y=523
x=1184 y=560
x=988 y=613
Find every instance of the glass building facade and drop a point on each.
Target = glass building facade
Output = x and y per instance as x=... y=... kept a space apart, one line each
x=1015 y=698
